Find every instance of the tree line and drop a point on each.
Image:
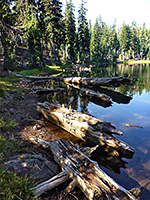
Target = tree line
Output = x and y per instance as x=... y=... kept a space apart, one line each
x=34 y=33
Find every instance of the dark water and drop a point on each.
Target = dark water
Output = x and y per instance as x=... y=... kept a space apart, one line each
x=131 y=105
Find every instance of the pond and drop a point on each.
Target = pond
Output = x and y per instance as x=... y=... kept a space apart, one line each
x=131 y=105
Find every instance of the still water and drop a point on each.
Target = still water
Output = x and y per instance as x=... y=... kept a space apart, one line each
x=131 y=105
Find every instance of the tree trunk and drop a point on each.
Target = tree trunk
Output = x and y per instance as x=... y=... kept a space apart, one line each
x=106 y=81
x=84 y=127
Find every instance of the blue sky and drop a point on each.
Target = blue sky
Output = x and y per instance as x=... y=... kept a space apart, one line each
x=119 y=10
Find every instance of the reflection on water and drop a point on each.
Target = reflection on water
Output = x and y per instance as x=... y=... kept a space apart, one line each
x=131 y=105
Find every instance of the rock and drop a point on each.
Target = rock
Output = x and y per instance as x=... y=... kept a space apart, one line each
x=35 y=167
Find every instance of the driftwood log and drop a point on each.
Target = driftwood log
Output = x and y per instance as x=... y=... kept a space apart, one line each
x=92 y=94
x=38 y=89
x=96 y=81
x=84 y=127
x=83 y=171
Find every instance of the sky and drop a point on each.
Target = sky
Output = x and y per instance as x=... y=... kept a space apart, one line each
x=117 y=10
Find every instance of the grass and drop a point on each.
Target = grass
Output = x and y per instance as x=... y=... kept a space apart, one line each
x=132 y=62
x=37 y=72
x=6 y=85
x=7 y=122
x=12 y=186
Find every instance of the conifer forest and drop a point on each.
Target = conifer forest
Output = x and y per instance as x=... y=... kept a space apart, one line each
x=35 y=33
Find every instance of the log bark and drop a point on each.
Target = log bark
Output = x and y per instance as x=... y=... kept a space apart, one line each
x=84 y=127
x=105 y=81
x=83 y=171
x=38 y=89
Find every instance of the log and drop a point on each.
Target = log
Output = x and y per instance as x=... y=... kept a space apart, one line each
x=92 y=94
x=34 y=77
x=96 y=81
x=38 y=89
x=114 y=95
x=84 y=172
x=84 y=127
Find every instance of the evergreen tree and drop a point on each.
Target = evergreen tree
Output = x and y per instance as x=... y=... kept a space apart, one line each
x=113 y=44
x=83 y=34
x=135 y=42
x=28 y=13
x=70 y=31
x=125 y=40
x=53 y=25
x=104 y=43
x=8 y=33
x=143 y=42
x=95 y=45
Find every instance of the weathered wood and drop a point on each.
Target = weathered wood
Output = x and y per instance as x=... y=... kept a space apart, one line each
x=83 y=171
x=91 y=93
x=105 y=81
x=34 y=77
x=38 y=89
x=96 y=81
x=83 y=126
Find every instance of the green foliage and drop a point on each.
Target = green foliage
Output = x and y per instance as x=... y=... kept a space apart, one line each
x=104 y=42
x=14 y=187
x=70 y=31
x=125 y=39
x=7 y=39
x=6 y=85
x=7 y=122
x=7 y=146
x=35 y=34
x=83 y=35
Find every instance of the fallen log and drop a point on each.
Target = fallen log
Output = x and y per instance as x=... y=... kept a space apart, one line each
x=96 y=81
x=38 y=89
x=34 y=77
x=114 y=95
x=93 y=94
x=84 y=172
x=83 y=126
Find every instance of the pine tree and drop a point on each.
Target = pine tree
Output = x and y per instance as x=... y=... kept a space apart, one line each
x=113 y=44
x=52 y=25
x=135 y=42
x=125 y=40
x=7 y=33
x=70 y=31
x=28 y=16
x=143 y=42
x=83 y=34
x=95 y=45
x=104 y=43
